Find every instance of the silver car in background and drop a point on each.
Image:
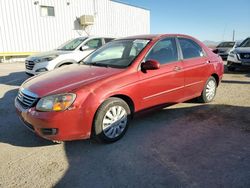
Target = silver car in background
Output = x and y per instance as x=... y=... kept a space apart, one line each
x=68 y=53
x=223 y=49
x=239 y=56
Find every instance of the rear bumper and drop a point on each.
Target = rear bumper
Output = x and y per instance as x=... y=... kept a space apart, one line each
x=60 y=126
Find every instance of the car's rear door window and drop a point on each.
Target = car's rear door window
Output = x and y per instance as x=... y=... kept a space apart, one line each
x=94 y=43
x=190 y=49
x=165 y=51
x=108 y=40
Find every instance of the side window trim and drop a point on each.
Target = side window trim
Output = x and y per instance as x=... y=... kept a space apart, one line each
x=180 y=56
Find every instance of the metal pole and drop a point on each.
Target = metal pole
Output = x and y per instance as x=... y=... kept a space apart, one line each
x=233 y=34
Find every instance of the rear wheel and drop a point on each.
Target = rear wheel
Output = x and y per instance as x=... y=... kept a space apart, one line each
x=209 y=91
x=111 y=120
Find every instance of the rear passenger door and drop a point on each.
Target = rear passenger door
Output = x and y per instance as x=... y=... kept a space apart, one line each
x=164 y=85
x=194 y=66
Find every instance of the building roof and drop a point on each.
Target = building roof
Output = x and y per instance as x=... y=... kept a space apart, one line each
x=118 y=1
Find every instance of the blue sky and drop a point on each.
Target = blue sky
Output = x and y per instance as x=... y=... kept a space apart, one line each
x=206 y=20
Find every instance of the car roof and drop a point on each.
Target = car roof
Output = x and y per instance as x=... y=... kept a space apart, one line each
x=92 y=37
x=155 y=36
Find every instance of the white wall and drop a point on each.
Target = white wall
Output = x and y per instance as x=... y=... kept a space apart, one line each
x=23 y=29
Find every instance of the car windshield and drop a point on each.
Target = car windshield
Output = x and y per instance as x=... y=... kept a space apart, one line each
x=245 y=43
x=226 y=44
x=118 y=54
x=72 y=44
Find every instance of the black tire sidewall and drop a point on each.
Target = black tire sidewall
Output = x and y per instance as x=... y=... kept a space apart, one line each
x=102 y=110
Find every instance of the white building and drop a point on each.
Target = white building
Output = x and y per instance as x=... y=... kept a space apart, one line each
x=28 y=26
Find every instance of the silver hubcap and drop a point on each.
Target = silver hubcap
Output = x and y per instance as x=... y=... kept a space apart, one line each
x=114 y=121
x=210 y=90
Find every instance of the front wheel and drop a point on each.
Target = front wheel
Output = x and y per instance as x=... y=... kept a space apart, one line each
x=111 y=120
x=209 y=91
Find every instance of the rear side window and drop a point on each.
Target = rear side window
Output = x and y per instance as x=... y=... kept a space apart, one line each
x=94 y=43
x=164 y=51
x=190 y=49
x=108 y=40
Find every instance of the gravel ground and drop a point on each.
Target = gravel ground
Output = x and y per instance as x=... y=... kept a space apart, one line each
x=185 y=145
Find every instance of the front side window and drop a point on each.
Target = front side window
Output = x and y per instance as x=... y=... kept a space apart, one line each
x=72 y=44
x=94 y=43
x=47 y=11
x=118 y=53
x=164 y=51
x=190 y=49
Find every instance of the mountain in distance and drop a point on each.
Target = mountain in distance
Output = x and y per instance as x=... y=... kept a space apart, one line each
x=210 y=43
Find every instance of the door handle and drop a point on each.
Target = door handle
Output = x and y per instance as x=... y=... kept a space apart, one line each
x=207 y=62
x=176 y=68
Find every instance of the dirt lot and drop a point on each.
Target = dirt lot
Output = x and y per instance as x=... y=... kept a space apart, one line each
x=185 y=145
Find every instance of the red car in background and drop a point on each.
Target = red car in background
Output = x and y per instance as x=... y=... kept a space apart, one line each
x=99 y=96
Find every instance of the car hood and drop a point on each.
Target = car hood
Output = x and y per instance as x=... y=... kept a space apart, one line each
x=47 y=54
x=242 y=50
x=68 y=78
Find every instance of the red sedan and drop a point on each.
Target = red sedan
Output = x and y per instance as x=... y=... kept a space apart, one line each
x=99 y=96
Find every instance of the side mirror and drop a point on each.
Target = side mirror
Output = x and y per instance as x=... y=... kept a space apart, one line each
x=82 y=48
x=216 y=51
x=150 y=65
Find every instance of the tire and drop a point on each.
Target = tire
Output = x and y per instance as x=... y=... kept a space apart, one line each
x=111 y=120
x=209 y=90
x=231 y=69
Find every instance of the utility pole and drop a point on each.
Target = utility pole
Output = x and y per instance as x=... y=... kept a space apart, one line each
x=233 y=34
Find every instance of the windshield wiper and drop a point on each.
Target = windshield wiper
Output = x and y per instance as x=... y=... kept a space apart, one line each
x=97 y=64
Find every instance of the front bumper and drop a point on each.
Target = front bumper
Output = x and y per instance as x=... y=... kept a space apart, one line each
x=223 y=55
x=38 y=68
x=60 y=126
x=236 y=61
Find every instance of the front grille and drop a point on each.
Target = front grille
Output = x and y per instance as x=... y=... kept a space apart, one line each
x=29 y=64
x=245 y=55
x=26 y=98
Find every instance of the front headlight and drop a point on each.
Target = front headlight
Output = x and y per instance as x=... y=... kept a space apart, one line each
x=56 y=103
x=49 y=58
x=232 y=52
